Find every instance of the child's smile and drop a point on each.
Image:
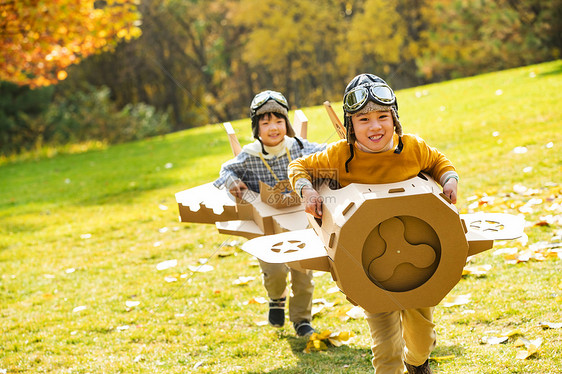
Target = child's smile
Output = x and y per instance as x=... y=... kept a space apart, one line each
x=272 y=130
x=374 y=130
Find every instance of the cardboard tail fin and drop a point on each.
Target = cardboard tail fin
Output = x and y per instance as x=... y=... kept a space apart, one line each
x=300 y=124
x=340 y=129
x=234 y=143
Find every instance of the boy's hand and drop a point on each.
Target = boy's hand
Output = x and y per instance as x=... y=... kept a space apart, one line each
x=312 y=201
x=450 y=190
x=238 y=188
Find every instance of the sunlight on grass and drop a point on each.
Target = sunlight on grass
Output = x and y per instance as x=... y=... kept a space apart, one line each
x=82 y=230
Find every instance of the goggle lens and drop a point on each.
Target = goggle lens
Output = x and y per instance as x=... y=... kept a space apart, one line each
x=263 y=97
x=355 y=99
x=383 y=93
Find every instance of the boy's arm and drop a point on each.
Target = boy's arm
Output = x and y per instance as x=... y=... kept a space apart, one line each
x=229 y=173
x=310 y=148
x=442 y=169
x=299 y=172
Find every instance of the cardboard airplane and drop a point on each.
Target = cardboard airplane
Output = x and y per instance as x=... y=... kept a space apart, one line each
x=275 y=209
x=387 y=246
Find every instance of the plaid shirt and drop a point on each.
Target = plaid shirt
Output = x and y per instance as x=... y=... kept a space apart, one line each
x=251 y=170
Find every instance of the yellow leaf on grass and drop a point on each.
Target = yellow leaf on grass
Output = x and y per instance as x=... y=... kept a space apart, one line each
x=531 y=345
x=521 y=342
x=339 y=339
x=513 y=333
x=479 y=270
x=318 y=341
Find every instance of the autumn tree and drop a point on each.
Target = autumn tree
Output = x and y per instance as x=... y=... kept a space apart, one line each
x=467 y=37
x=41 y=38
x=291 y=46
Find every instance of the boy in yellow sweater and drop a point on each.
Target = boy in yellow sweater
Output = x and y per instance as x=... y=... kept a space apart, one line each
x=376 y=151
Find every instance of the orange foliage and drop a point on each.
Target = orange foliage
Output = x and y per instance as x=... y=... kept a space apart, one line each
x=39 y=39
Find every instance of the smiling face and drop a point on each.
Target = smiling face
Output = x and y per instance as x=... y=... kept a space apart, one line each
x=374 y=130
x=272 y=129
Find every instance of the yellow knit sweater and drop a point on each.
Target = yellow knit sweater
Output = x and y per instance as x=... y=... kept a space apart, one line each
x=372 y=168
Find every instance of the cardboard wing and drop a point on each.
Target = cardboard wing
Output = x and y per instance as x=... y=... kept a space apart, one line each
x=205 y=204
x=272 y=211
x=286 y=247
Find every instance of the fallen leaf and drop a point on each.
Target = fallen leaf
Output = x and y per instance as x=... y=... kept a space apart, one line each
x=323 y=302
x=356 y=312
x=341 y=338
x=494 y=340
x=521 y=342
x=522 y=355
x=198 y=364
x=519 y=188
x=256 y=300
x=479 y=270
x=200 y=268
x=317 y=309
x=319 y=341
x=241 y=281
x=550 y=325
x=166 y=264
x=511 y=333
x=456 y=300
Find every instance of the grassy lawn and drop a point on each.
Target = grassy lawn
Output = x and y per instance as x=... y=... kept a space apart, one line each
x=82 y=233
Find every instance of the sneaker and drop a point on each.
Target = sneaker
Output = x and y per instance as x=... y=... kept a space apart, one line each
x=276 y=316
x=303 y=328
x=422 y=369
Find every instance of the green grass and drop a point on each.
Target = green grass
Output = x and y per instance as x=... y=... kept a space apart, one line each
x=87 y=229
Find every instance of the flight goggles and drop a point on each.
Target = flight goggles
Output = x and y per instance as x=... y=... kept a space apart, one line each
x=355 y=99
x=263 y=97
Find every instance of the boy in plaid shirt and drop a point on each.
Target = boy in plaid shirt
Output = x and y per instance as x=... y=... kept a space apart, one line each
x=266 y=160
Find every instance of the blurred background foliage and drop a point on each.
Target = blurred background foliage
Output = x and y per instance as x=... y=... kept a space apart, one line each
x=199 y=62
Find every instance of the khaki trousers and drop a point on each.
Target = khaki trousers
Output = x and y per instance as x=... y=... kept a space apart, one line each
x=302 y=289
x=404 y=335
